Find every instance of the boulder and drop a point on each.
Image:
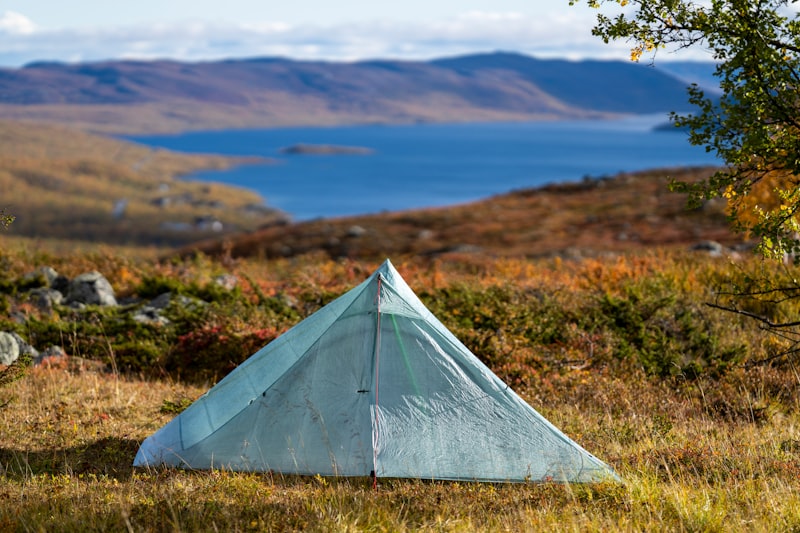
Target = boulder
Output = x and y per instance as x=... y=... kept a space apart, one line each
x=9 y=348
x=24 y=347
x=45 y=298
x=60 y=284
x=91 y=288
x=162 y=301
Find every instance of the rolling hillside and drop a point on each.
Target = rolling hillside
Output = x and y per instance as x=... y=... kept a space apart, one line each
x=67 y=185
x=158 y=96
x=628 y=212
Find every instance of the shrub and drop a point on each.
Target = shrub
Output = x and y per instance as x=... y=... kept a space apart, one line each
x=212 y=351
x=666 y=332
x=152 y=286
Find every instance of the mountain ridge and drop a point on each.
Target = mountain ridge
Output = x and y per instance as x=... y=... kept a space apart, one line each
x=165 y=95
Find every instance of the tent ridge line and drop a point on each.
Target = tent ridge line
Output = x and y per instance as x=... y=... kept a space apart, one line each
x=376 y=362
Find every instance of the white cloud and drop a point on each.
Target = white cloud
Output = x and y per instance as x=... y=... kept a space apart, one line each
x=267 y=27
x=562 y=35
x=14 y=23
x=490 y=16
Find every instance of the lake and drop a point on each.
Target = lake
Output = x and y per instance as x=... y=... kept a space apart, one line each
x=426 y=165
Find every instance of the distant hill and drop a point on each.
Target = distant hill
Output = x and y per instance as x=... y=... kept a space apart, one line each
x=607 y=86
x=699 y=72
x=159 y=96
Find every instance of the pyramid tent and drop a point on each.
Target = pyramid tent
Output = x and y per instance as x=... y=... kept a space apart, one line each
x=371 y=384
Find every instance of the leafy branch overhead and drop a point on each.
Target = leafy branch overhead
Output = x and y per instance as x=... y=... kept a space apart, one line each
x=753 y=126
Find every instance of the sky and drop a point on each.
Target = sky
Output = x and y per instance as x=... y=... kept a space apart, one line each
x=341 y=30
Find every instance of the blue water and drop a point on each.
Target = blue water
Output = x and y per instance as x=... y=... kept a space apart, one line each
x=432 y=164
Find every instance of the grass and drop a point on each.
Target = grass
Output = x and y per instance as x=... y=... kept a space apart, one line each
x=68 y=440
x=618 y=352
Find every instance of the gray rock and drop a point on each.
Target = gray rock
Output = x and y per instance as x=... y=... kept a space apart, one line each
x=161 y=301
x=356 y=231
x=9 y=349
x=51 y=353
x=45 y=298
x=24 y=347
x=152 y=312
x=150 y=315
x=91 y=288
x=61 y=284
x=713 y=248
x=227 y=281
x=47 y=273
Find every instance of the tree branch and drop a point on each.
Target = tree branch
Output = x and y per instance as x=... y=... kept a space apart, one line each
x=762 y=319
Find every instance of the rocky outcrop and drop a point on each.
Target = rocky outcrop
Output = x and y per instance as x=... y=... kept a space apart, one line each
x=78 y=300
x=91 y=288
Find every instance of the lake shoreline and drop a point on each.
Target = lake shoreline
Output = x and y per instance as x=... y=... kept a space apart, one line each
x=429 y=165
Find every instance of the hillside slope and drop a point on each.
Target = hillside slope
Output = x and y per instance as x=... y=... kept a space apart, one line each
x=65 y=184
x=158 y=96
x=628 y=212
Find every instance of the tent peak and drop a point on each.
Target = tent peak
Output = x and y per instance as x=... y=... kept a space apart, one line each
x=387 y=272
x=386 y=266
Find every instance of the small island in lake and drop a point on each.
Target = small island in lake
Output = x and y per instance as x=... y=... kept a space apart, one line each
x=325 y=149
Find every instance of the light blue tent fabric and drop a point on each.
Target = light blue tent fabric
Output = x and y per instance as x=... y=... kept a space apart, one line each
x=371 y=383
